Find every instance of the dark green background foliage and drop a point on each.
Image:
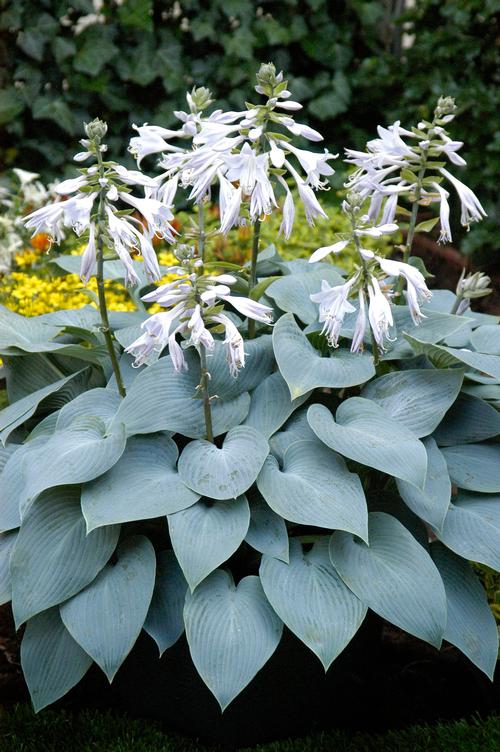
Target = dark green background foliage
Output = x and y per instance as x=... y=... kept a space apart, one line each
x=345 y=59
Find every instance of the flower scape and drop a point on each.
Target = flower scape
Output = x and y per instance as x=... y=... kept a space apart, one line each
x=332 y=425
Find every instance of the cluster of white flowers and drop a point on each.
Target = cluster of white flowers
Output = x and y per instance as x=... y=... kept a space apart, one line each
x=374 y=299
x=239 y=152
x=109 y=183
x=391 y=168
x=193 y=302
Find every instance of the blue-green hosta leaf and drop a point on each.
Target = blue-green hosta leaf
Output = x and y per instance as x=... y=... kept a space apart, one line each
x=7 y=541
x=97 y=403
x=15 y=414
x=475 y=467
x=446 y=357
x=314 y=488
x=6 y=453
x=486 y=339
x=143 y=484
x=259 y=363
x=231 y=631
x=77 y=454
x=128 y=372
x=207 y=534
x=430 y=504
x=363 y=432
x=12 y=484
x=107 y=616
x=472 y=528
x=226 y=472
x=53 y=557
x=488 y=392
x=394 y=576
x=162 y=400
x=434 y=328
x=267 y=532
x=468 y=420
x=24 y=333
x=303 y=368
x=52 y=661
x=470 y=626
x=296 y=429
x=312 y=600
x=271 y=405
x=164 y=622
x=417 y=399
x=292 y=293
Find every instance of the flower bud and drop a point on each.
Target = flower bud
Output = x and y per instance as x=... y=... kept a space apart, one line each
x=199 y=99
x=473 y=285
x=96 y=130
x=184 y=252
x=445 y=106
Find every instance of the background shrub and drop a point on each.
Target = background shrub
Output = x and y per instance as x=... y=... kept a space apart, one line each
x=353 y=64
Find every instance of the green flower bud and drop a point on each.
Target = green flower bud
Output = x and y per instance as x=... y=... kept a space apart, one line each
x=199 y=99
x=184 y=252
x=96 y=130
x=445 y=106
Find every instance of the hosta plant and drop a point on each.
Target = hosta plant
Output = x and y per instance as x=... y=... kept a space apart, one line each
x=336 y=434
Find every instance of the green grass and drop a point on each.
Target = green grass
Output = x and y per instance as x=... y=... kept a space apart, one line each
x=51 y=731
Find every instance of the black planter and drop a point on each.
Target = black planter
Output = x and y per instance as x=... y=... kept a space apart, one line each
x=384 y=679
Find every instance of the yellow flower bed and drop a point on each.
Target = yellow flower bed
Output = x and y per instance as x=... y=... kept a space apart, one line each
x=31 y=292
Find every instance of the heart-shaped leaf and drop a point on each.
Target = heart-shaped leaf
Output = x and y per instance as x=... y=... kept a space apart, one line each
x=468 y=420
x=303 y=367
x=271 y=405
x=162 y=400
x=143 y=484
x=52 y=661
x=431 y=503
x=7 y=541
x=363 y=432
x=207 y=534
x=394 y=576
x=470 y=625
x=165 y=622
x=472 y=528
x=475 y=467
x=226 y=472
x=231 y=631
x=106 y=617
x=267 y=531
x=314 y=488
x=416 y=399
x=53 y=557
x=312 y=600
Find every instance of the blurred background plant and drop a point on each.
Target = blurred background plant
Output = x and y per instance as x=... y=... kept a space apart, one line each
x=373 y=61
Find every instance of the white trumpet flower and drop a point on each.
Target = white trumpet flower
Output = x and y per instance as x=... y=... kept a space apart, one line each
x=472 y=211
x=417 y=290
x=333 y=305
x=379 y=313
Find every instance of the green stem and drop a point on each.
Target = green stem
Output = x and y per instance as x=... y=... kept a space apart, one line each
x=413 y=222
x=101 y=293
x=201 y=231
x=207 y=410
x=253 y=271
